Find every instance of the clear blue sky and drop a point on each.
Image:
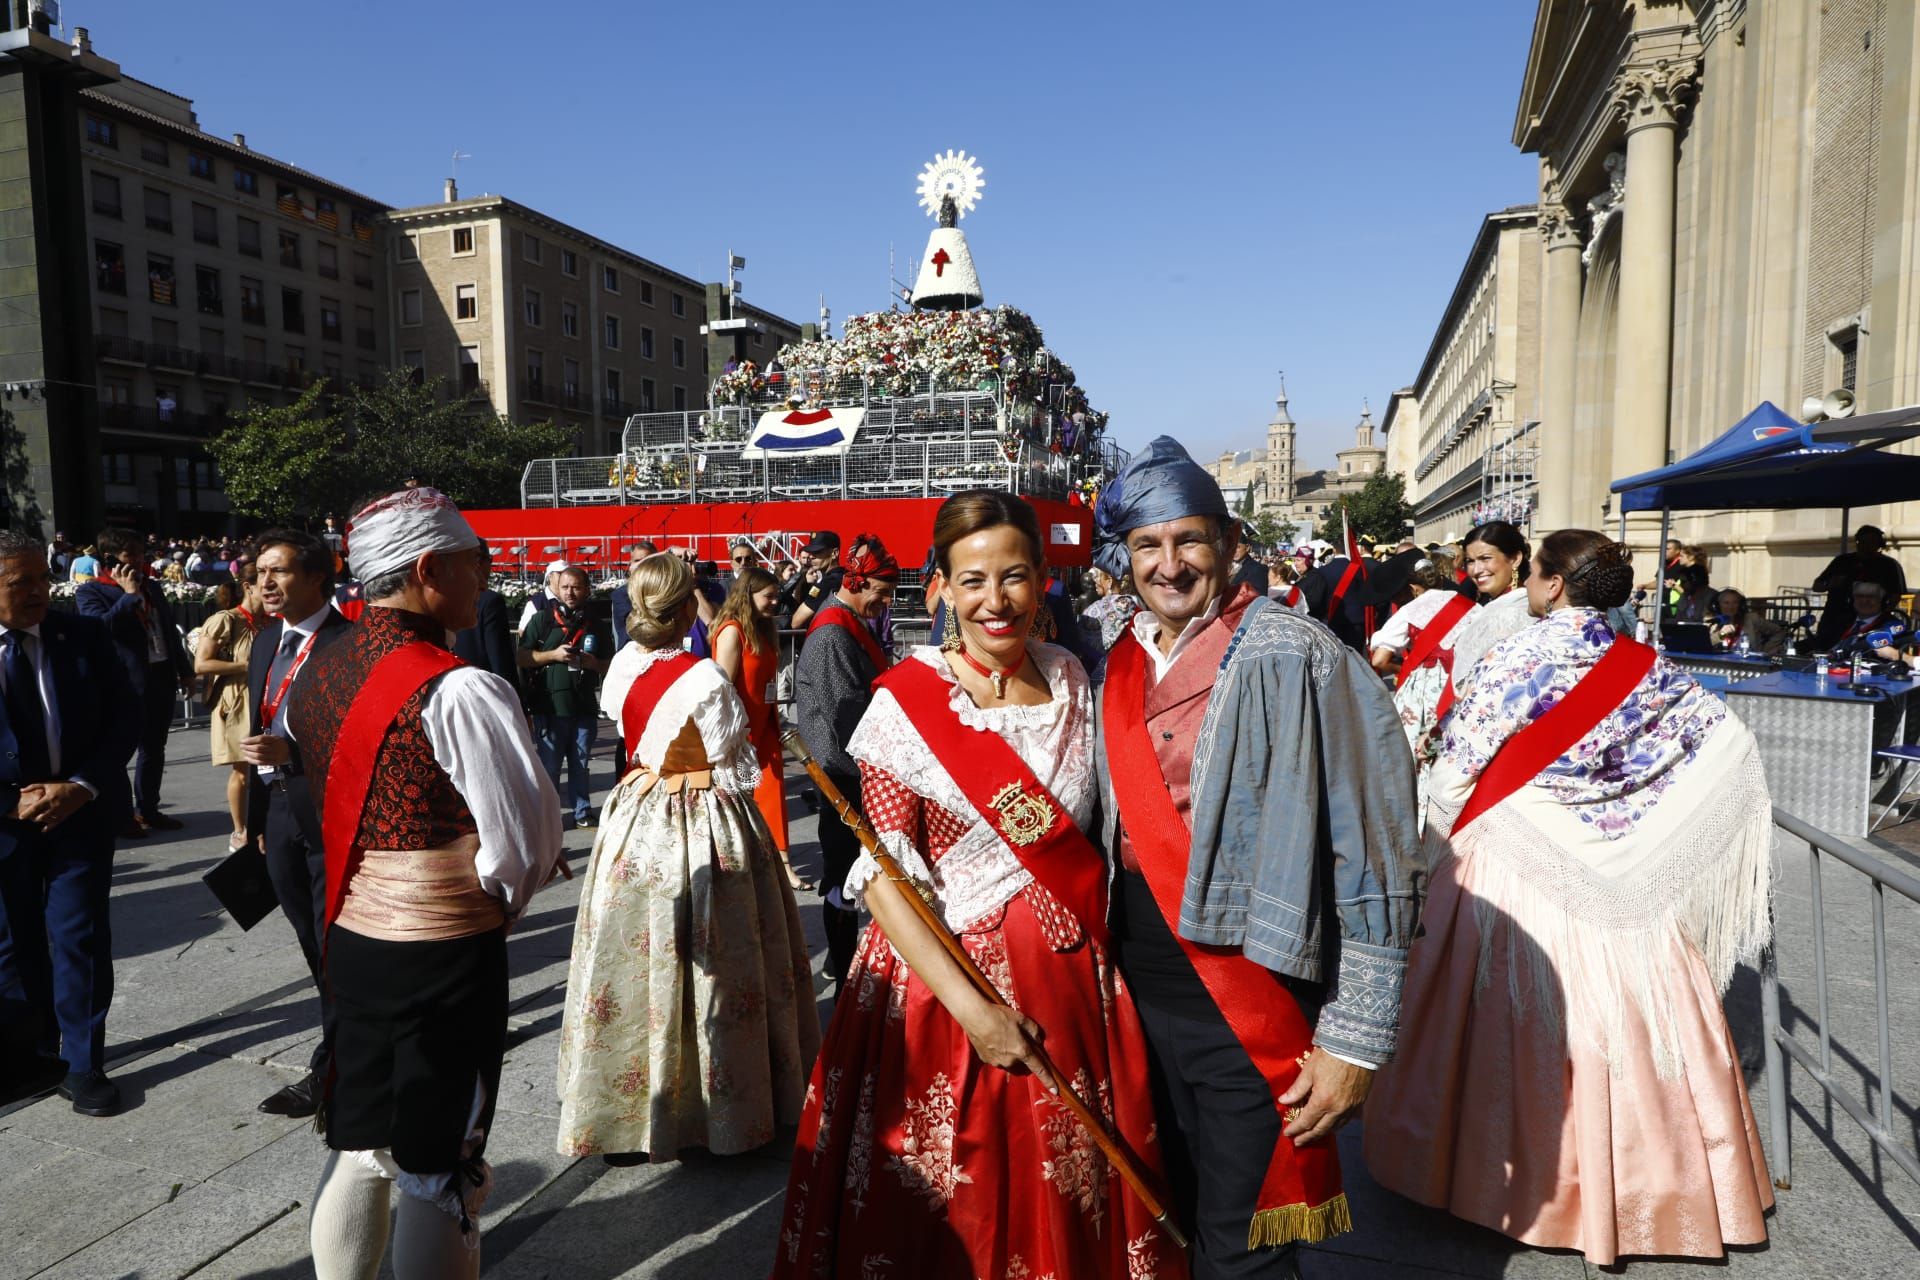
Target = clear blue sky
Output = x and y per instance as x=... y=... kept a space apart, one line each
x=1187 y=197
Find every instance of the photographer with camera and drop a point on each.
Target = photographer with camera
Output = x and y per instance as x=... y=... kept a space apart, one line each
x=567 y=650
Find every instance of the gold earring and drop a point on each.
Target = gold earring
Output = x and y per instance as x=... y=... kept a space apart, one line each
x=1042 y=626
x=952 y=643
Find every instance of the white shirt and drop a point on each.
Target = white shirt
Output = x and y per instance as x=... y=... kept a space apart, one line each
x=1146 y=629
x=474 y=723
x=702 y=694
x=1396 y=632
x=302 y=630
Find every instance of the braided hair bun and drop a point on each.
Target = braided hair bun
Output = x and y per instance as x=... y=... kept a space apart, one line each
x=1598 y=571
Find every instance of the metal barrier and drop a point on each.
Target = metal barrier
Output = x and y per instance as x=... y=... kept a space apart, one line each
x=1780 y=1043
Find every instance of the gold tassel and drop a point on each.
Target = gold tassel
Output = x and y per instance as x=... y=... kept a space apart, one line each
x=1308 y=1224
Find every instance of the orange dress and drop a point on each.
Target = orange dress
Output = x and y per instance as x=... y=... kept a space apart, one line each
x=755 y=684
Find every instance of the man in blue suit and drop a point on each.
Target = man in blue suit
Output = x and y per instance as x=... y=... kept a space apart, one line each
x=64 y=741
x=155 y=656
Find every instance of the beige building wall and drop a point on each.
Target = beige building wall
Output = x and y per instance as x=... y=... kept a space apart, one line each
x=1477 y=387
x=1732 y=192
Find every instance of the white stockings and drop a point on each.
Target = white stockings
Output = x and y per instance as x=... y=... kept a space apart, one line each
x=353 y=1216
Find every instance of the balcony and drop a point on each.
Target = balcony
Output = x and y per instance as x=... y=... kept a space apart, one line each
x=106 y=208
x=254 y=314
x=535 y=390
x=147 y=421
x=119 y=350
x=221 y=367
x=575 y=398
x=615 y=407
x=178 y=359
x=259 y=373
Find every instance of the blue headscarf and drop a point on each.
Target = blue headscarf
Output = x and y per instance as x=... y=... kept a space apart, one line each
x=1159 y=483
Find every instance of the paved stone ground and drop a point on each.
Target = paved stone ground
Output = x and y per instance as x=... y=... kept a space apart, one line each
x=207 y=1020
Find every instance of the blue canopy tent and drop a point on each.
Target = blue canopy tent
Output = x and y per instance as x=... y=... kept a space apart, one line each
x=1768 y=460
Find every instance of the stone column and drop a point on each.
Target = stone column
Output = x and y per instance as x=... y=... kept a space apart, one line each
x=1648 y=98
x=1559 y=505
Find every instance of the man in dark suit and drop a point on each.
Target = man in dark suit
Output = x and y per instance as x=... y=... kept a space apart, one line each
x=141 y=622
x=489 y=643
x=622 y=603
x=64 y=742
x=295 y=572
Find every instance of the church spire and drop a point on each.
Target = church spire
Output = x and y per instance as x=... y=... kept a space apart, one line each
x=1363 y=433
x=1281 y=418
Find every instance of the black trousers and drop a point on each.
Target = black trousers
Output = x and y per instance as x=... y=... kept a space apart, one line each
x=839 y=850
x=156 y=718
x=298 y=870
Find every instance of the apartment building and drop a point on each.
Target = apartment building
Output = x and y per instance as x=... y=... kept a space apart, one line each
x=219 y=275
x=543 y=320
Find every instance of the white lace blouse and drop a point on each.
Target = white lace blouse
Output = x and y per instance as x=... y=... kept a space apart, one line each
x=979 y=873
x=702 y=694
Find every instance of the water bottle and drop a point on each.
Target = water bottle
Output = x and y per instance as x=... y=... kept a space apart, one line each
x=1857 y=668
x=1740 y=646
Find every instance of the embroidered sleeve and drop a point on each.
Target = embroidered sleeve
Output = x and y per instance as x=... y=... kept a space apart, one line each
x=895 y=813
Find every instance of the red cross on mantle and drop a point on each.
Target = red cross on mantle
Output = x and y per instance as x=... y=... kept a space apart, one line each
x=940 y=261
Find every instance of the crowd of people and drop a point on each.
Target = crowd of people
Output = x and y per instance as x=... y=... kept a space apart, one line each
x=1233 y=848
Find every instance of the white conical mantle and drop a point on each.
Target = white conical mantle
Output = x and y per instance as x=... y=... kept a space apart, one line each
x=947 y=280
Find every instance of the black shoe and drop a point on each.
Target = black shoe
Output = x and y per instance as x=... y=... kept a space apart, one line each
x=91 y=1093
x=624 y=1159
x=585 y=824
x=298 y=1100
x=161 y=822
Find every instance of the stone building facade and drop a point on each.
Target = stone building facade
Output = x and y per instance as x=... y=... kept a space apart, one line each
x=1728 y=193
x=1271 y=472
x=1461 y=430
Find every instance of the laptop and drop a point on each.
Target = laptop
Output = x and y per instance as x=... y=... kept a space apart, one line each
x=1687 y=637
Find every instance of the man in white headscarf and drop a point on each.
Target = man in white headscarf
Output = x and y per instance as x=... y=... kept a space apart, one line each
x=439 y=824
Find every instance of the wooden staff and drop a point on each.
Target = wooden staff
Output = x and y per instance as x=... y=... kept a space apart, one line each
x=1130 y=1172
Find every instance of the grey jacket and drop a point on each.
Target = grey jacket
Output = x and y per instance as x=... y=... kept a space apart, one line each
x=1305 y=853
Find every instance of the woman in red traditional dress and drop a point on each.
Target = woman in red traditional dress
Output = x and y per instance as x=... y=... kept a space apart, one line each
x=928 y=1148
x=689 y=1019
x=746 y=647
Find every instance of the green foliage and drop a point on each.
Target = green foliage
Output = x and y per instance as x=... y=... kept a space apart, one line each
x=1269 y=530
x=331 y=447
x=1380 y=509
x=19 y=503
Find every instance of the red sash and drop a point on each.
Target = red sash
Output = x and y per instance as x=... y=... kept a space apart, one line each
x=1592 y=699
x=1347 y=576
x=1300 y=1196
x=393 y=680
x=644 y=694
x=998 y=783
x=1426 y=647
x=838 y=615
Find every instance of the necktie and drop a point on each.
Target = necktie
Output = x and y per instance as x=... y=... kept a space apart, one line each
x=277 y=672
x=26 y=713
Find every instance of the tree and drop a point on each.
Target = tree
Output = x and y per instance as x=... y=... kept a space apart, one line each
x=1380 y=509
x=20 y=502
x=334 y=446
x=1269 y=530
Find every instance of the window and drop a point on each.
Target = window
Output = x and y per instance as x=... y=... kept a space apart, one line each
x=330 y=319
x=160 y=288
x=469 y=370
x=293 y=318
x=327 y=260
x=466 y=302
x=159 y=207
x=406 y=249
x=363 y=332
x=646 y=395
x=206 y=225
x=246 y=232
x=153 y=149
x=253 y=302
x=570 y=381
x=290 y=249
x=409 y=306
x=325 y=214
x=166 y=333
x=106 y=194
x=113 y=322
x=109 y=267
x=363 y=270
x=536 y=375
x=612 y=333
x=646 y=293
x=415 y=363
x=570 y=319
x=296 y=359
x=200 y=165
x=569 y=264
x=246 y=181
x=116 y=468
x=103 y=133
x=362 y=224
x=213 y=341
x=1850 y=360
x=610 y=279
x=254 y=349
x=679 y=353
x=679 y=305
x=530 y=247
x=646 y=343
x=533 y=308
x=679 y=399
x=614 y=403
x=462 y=240
x=286 y=199
x=206 y=291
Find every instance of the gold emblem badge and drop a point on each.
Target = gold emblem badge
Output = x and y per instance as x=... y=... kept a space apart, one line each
x=1024 y=818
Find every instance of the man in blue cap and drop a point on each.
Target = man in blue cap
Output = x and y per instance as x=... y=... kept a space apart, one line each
x=1258 y=802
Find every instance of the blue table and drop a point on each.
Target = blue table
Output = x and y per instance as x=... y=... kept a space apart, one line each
x=1817 y=740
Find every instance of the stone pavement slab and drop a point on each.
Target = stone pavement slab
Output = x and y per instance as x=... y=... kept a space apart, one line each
x=55 y=1200
x=178 y=1237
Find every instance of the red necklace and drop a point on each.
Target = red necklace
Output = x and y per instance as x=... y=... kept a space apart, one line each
x=999 y=678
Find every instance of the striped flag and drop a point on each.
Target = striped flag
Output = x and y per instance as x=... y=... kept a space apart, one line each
x=803 y=433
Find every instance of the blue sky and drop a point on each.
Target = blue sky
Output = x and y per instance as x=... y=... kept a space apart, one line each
x=1187 y=197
